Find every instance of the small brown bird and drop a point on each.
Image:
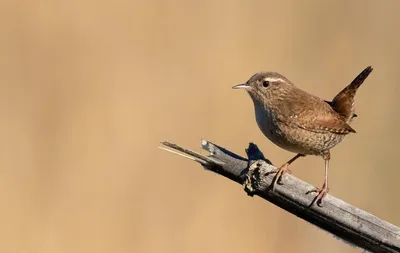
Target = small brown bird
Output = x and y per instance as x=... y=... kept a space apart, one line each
x=300 y=122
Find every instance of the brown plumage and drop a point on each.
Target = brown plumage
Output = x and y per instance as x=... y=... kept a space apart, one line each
x=343 y=103
x=300 y=122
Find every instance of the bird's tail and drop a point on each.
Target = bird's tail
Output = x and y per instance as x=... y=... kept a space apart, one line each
x=343 y=103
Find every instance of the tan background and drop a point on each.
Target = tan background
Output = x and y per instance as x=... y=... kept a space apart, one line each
x=89 y=88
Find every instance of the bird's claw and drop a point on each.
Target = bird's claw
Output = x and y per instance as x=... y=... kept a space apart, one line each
x=279 y=174
x=320 y=197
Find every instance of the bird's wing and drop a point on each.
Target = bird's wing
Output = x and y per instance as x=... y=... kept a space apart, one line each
x=313 y=114
x=326 y=123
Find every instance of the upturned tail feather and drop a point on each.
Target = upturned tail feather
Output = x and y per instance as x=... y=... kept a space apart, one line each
x=343 y=103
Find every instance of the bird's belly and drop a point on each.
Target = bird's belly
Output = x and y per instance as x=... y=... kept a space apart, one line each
x=293 y=138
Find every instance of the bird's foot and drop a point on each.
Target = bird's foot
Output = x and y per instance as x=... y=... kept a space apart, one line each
x=321 y=195
x=279 y=173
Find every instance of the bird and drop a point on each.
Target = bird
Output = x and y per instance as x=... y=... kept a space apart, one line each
x=300 y=122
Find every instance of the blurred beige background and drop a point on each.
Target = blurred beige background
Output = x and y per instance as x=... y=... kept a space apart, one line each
x=89 y=88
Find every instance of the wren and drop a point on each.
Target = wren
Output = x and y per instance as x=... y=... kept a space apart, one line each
x=300 y=122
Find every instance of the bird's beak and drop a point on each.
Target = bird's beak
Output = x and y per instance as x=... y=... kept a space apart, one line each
x=242 y=86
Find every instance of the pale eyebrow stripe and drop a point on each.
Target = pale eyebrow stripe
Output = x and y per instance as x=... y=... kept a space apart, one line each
x=272 y=79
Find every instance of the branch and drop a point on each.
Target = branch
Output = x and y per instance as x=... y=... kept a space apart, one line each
x=336 y=216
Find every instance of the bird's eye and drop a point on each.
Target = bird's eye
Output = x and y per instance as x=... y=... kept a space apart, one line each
x=265 y=83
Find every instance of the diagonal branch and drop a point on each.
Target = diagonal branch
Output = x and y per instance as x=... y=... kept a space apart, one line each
x=336 y=216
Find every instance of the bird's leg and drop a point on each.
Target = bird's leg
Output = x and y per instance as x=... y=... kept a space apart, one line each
x=282 y=170
x=322 y=192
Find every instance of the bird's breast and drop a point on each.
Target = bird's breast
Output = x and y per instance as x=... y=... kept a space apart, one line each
x=269 y=126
